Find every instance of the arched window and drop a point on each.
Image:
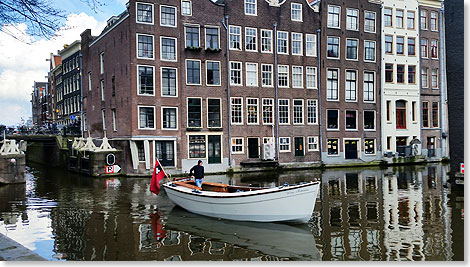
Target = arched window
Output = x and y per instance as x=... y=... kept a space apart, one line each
x=401 y=114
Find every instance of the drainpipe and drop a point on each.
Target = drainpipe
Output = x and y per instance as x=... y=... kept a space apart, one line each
x=276 y=106
x=227 y=45
x=82 y=126
x=443 y=84
x=320 y=136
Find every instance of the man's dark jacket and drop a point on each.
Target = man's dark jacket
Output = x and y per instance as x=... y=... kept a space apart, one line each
x=197 y=171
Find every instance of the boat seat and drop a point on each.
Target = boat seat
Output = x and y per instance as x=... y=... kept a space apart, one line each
x=185 y=184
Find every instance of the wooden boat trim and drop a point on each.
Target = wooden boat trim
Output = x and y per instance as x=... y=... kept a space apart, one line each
x=284 y=188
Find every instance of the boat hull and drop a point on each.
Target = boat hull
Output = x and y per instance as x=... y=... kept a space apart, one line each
x=288 y=204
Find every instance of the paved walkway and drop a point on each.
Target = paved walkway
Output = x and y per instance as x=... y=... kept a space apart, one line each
x=11 y=250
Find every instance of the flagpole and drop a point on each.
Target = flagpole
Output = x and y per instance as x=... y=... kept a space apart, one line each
x=161 y=166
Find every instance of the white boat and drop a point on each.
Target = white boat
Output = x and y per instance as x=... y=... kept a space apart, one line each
x=286 y=203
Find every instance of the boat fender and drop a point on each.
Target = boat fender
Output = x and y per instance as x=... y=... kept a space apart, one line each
x=286 y=184
x=172 y=185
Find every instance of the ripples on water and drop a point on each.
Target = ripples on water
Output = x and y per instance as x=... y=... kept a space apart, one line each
x=360 y=214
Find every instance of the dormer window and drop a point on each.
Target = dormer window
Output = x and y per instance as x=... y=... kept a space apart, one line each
x=296 y=12
x=250 y=7
x=186 y=8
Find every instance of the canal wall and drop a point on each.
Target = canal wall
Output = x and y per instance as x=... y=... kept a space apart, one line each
x=11 y=250
x=12 y=169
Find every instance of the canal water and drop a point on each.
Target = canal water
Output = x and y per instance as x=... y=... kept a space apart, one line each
x=399 y=213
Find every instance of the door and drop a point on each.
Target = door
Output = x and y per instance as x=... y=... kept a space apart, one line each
x=253 y=148
x=299 y=146
x=165 y=151
x=214 y=149
x=350 y=149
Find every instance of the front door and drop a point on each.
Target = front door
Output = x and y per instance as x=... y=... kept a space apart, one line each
x=253 y=148
x=214 y=149
x=165 y=152
x=350 y=149
x=299 y=146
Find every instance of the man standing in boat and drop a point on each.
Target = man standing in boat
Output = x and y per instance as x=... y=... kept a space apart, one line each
x=197 y=172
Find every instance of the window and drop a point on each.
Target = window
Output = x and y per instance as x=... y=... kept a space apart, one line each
x=351 y=49
x=194 y=112
x=252 y=110
x=399 y=14
x=387 y=17
x=212 y=72
x=352 y=19
x=332 y=117
x=312 y=143
x=144 y=46
x=284 y=111
x=296 y=12
x=235 y=73
x=102 y=63
x=333 y=16
x=424 y=48
x=197 y=146
x=251 y=74
x=89 y=81
x=426 y=114
x=140 y=150
x=351 y=85
x=351 y=120
x=311 y=77
x=102 y=90
x=168 y=48
x=237 y=145
x=267 y=75
x=369 y=146
x=369 y=21
x=389 y=143
x=401 y=114
x=212 y=38
x=236 y=109
x=268 y=107
x=146 y=80
x=434 y=48
x=412 y=74
x=369 y=50
x=282 y=42
x=434 y=23
x=411 y=46
x=214 y=113
x=400 y=45
x=400 y=73
x=169 y=82
x=297 y=77
x=186 y=8
x=296 y=44
x=284 y=144
x=250 y=7
x=369 y=86
x=298 y=106
x=369 y=120
x=169 y=118
x=193 y=72
x=311 y=45
x=251 y=37
x=423 y=20
x=389 y=110
x=192 y=36
x=266 y=41
x=235 y=37
x=168 y=16
x=388 y=44
x=333 y=47
x=144 y=13
x=410 y=22
x=413 y=111
x=332 y=84
x=283 y=75
x=312 y=111
x=424 y=77
x=333 y=147
x=434 y=78
x=146 y=118
x=435 y=114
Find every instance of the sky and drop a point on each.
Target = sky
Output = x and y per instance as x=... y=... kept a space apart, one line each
x=22 y=62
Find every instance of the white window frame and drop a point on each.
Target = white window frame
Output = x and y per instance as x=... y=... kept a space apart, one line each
x=241 y=74
x=89 y=81
x=301 y=43
x=103 y=118
x=339 y=47
x=314 y=41
x=270 y=41
x=339 y=150
x=375 y=51
x=288 y=143
x=161 y=118
x=102 y=89
x=138 y=80
x=346 y=83
x=161 y=82
x=357 y=120
x=374 y=86
x=339 y=17
x=198 y=33
x=338 y=85
x=292 y=13
x=315 y=102
x=154 y=117
x=176 y=48
x=255 y=84
x=273 y=117
x=278 y=76
x=364 y=120
x=153 y=13
x=220 y=113
x=239 y=35
x=176 y=17
x=102 y=61
x=220 y=73
x=137 y=46
x=186 y=71
x=187 y=113
x=307 y=74
x=287 y=42
x=255 y=38
x=272 y=75
x=375 y=21
x=241 y=110
x=301 y=76
x=357 y=19
x=346 y=50
x=257 y=110
x=114 y=120
x=338 y=121
x=375 y=147
x=256 y=8
x=293 y=112
x=288 y=112
x=190 y=8
x=205 y=35
x=315 y=142
x=242 y=145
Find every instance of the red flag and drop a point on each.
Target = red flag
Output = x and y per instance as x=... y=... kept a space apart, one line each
x=158 y=174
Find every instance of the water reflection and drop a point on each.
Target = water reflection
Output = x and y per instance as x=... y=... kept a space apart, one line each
x=401 y=213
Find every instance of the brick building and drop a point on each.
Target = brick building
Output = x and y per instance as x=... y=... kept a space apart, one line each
x=55 y=83
x=350 y=81
x=39 y=103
